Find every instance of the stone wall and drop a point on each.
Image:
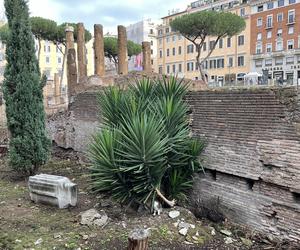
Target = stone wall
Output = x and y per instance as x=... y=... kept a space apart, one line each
x=252 y=155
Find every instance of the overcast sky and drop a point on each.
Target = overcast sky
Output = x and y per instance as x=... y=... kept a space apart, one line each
x=109 y=13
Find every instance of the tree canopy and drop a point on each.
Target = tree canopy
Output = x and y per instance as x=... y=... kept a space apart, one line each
x=111 y=48
x=197 y=27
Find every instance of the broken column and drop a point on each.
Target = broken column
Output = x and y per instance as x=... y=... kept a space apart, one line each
x=122 y=51
x=81 y=53
x=147 y=56
x=71 y=73
x=99 y=50
x=69 y=37
x=57 y=88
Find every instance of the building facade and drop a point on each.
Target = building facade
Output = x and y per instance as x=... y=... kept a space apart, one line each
x=275 y=40
x=229 y=61
x=143 y=31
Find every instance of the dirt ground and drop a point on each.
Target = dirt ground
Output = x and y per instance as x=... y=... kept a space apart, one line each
x=26 y=225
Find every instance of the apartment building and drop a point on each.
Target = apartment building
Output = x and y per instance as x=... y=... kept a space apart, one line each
x=275 y=40
x=143 y=31
x=228 y=63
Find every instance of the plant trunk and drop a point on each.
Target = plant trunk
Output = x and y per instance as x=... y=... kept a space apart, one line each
x=138 y=239
x=199 y=64
x=160 y=195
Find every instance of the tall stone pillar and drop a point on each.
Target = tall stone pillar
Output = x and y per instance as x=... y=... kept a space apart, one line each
x=57 y=88
x=122 y=51
x=147 y=56
x=72 y=73
x=69 y=37
x=81 y=53
x=99 y=50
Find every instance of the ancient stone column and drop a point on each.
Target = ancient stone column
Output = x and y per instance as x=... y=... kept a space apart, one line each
x=81 y=53
x=57 y=88
x=147 y=56
x=69 y=37
x=72 y=73
x=99 y=50
x=122 y=51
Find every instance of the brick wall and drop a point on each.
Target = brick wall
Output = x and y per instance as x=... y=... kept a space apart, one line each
x=252 y=155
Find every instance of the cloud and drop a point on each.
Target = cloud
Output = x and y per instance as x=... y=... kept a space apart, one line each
x=109 y=13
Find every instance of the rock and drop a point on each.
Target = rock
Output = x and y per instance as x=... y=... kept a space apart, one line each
x=226 y=232
x=174 y=214
x=85 y=237
x=246 y=242
x=228 y=240
x=38 y=242
x=183 y=231
x=184 y=225
x=192 y=226
x=213 y=231
x=57 y=236
x=92 y=217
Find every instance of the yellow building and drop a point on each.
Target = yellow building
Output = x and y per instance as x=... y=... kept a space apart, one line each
x=228 y=62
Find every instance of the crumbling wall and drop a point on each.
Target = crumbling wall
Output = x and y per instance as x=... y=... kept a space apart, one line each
x=252 y=156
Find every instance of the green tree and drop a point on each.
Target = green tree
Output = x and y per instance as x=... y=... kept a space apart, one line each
x=42 y=29
x=197 y=27
x=4 y=33
x=23 y=93
x=144 y=149
x=111 y=49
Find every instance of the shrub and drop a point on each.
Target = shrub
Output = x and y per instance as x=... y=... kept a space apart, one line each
x=144 y=148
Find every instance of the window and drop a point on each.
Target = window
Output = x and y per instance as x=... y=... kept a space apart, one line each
x=168 y=69
x=167 y=30
x=212 y=64
x=259 y=22
x=59 y=60
x=221 y=43
x=278 y=61
x=174 y=38
x=168 y=39
x=179 y=67
x=160 y=41
x=258 y=48
x=268 y=62
x=179 y=37
x=242 y=12
x=269 y=47
x=228 y=42
x=160 y=70
x=290 y=60
x=290 y=44
x=151 y=42
x=211 y=44
x=280 y=3
x=168 y=52
x=47 y=59
x=174 y=68
x=190 y=66
x=258 y=63
x=269 y=34
x=190 y=48
x=292 y=1
x=220 y=63
x=230 y=61
x=270 y=5
x=174 y=51
x=279 y=45
x=151 y=31
x=160 y=53
x=269 y=21
x=259 y=37
x=291 y=16
x=260 y=8
x=241 y=40
x=291 y=30
x=179 y=50
x=279 y=17
x=160 y=32
x=241 y=61
x=152 y=52
x=279 y=33
x=204 y=46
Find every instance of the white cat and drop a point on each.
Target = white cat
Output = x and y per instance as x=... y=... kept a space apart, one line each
x=157 y=208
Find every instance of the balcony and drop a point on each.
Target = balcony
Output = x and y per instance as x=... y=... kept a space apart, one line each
x=269 y=26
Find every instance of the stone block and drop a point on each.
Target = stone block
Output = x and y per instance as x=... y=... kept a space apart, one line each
x=53 y=190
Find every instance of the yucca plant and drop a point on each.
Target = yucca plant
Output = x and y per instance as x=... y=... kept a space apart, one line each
x=144 y=148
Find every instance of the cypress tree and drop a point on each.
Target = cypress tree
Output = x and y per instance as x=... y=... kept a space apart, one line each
x=23 y=93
